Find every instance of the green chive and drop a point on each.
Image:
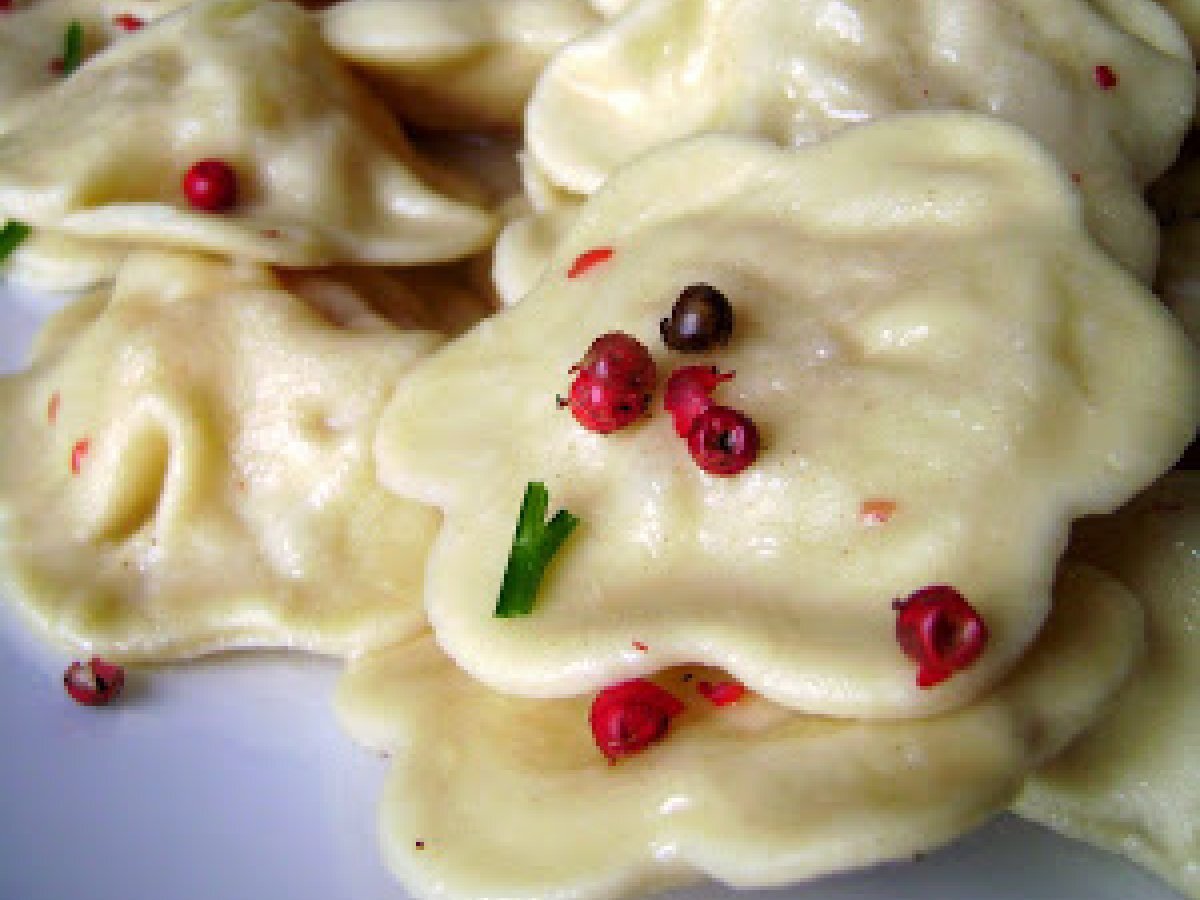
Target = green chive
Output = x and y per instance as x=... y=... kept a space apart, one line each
x=534 y=545
x=72 y=48
x=11 y=236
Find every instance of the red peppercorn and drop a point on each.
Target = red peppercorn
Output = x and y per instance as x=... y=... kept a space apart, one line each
x=628 y=717
x=210 y=185
x=689 y=393
x=604 y=405
x=723 y=441
x=95 y=682
x=6 y=6
x=721 y=693
x=1105 y=77
x=619 y=356
x=940 y=631
x=128 y=22
x=588 y=260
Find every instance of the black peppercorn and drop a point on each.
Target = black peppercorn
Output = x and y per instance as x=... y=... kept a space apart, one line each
x=700 y=319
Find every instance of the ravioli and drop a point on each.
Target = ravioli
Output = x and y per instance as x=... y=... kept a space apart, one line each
x=324 y=175
x=1187 y=13
x=523 y=247
x=455 y=63
x=32 y=36
x=921 y=319
x=187 y=467
x=1131 y=784
x=534 y=224
x=54 y=261
x=797 y=72
x=500 y=796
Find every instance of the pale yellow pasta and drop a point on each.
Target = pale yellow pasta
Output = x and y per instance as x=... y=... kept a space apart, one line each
x=523 y=247
x=799 y=71
x=187 y=467
x=50 y=260
x=1187 y=13
x=495 y=796
x=33 y=34
x=534 y=224
x=324 y=175
x=921 y=318
x=1132 y=783
x=53 y=261
x=610 y=7
x=456 y=63
x=938 y=311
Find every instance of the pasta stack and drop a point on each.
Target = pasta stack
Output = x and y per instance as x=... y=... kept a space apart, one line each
x=379 y=352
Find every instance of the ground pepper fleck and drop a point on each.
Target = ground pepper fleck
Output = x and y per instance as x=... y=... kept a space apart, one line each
x=876 y=511
x=52 y=407
x=78 y=453
x=721 y=693
x=588 y=260
x=638 y=645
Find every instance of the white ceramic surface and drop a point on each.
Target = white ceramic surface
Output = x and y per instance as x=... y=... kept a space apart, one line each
x=229 y=780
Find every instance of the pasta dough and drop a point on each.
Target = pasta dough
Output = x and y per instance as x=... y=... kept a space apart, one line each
x=324 y=175
x=798 y=71
x=32 y=37
x=870 y=275
x=522 y=248
x=509 y=797
x=53 y=261
x=187 y=466
x=1132 y=783
x=1187 y=13
x=456 y=63
x=534 y=224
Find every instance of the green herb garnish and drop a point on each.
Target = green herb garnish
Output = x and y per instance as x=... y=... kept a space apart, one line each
x=72 y=56
x=534 y=545
x=11 y=236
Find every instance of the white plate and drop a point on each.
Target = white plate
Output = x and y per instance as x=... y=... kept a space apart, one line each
x=229 y=780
